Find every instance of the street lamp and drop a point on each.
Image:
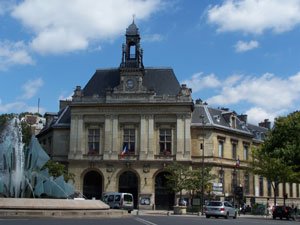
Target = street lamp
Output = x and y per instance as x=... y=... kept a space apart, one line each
x=202 y=167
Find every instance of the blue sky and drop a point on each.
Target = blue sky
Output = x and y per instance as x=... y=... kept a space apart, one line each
x=240 y=54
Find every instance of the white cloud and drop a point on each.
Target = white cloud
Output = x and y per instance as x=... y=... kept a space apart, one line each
x=257 y=115
x=31 y=87
x=18 y=107
x=63 y=96
x=242 y=46
x=65 y=26
x=267 y=91
x=266 y=96
x=255 y=16
x=200 y=81
x=14 y=54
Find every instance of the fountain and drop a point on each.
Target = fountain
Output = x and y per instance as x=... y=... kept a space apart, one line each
x=24 y=184
x=21 y=173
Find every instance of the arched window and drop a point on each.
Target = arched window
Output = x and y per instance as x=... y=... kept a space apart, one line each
x=132 y=51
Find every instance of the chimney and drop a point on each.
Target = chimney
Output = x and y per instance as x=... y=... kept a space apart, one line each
x=266 y=124
x=243 y=117
x=199 y=101
x=49 y=118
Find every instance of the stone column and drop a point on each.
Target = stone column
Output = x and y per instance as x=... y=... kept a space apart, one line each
x=116 y=148
x=187 y=137
x=76 y=134
x=73 y=136
x=143 y=137
x=151 y=139
x=108 y=150
x=81 y=137
x=179 y=137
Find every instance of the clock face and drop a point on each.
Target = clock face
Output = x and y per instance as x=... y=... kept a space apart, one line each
x=129 y=83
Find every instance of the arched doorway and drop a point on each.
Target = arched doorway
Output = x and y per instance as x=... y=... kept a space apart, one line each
x=128 y=182
x=164 y=196
x=92 y=185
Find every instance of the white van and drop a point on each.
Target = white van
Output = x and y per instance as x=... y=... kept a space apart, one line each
x=118 y=200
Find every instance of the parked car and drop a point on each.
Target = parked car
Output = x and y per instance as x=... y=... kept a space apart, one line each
x=220 y=209
x=282 y=212
x=117 y=200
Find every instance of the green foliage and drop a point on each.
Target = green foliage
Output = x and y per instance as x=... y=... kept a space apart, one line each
x=183 y=178
x=273 y=168
x=278 y=158
x=26 y=133
x=284 y=140
x=196 y=177
x=26 y=130
x=23 y=114
x=57 y=169
x=3 y=119
x=179 y=173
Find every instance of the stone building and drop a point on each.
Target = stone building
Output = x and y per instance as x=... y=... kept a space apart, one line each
x=120 y=131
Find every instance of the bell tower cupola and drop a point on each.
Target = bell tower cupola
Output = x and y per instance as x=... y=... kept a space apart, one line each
x=132 y=54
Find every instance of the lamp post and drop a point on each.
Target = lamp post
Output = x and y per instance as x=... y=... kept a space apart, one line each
x=202 y=167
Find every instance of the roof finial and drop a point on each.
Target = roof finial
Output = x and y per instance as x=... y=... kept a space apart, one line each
x=133 y=18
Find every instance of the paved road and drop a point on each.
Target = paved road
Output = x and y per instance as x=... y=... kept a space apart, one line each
x=145 y=220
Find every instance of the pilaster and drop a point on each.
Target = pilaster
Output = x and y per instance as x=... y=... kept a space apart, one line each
x=180 y=137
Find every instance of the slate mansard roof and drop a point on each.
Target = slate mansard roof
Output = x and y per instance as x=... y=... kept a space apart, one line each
x=160 y=80
x=206 y=116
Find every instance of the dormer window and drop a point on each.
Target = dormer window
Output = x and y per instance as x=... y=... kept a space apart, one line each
x=217 y=118
x=232 y=122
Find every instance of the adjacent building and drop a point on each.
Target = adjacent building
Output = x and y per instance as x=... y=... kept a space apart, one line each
x=126 y=124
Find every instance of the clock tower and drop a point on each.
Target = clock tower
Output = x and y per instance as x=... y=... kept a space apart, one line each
x=131 y=67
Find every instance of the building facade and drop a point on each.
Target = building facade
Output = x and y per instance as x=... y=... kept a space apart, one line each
x=120 y=131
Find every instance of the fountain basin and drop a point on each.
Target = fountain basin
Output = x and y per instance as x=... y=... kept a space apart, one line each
x=69 y=208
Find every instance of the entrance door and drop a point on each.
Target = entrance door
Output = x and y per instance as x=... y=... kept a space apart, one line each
x=92 y=185
x=164 y=196
x=128 y=182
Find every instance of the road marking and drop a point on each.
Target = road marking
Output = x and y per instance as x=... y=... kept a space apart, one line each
x=145 y=221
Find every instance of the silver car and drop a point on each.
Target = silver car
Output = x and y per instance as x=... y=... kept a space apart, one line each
x=220 y=209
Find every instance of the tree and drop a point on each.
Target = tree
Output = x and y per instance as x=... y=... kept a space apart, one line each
x=26 y=133
x=284 y=140
x=182 y=177
x=278 y=158
x=178 y=174
x=57 y=169
x=194 y=181
x=275 y=169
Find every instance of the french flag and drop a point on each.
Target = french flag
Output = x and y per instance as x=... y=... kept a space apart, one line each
x=125 y=149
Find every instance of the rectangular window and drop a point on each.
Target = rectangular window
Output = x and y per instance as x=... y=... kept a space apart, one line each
x=221 y=178
x=93 y=141
x=165 y=141
x=234 y=151
x=246 y=183
x=221 y=149
x=129 y=141
x=233 y=181
x=269 y=188
x=291 y=190
x=283 y=189
x=261 y=186
x=277 y=190
x=246 y=152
